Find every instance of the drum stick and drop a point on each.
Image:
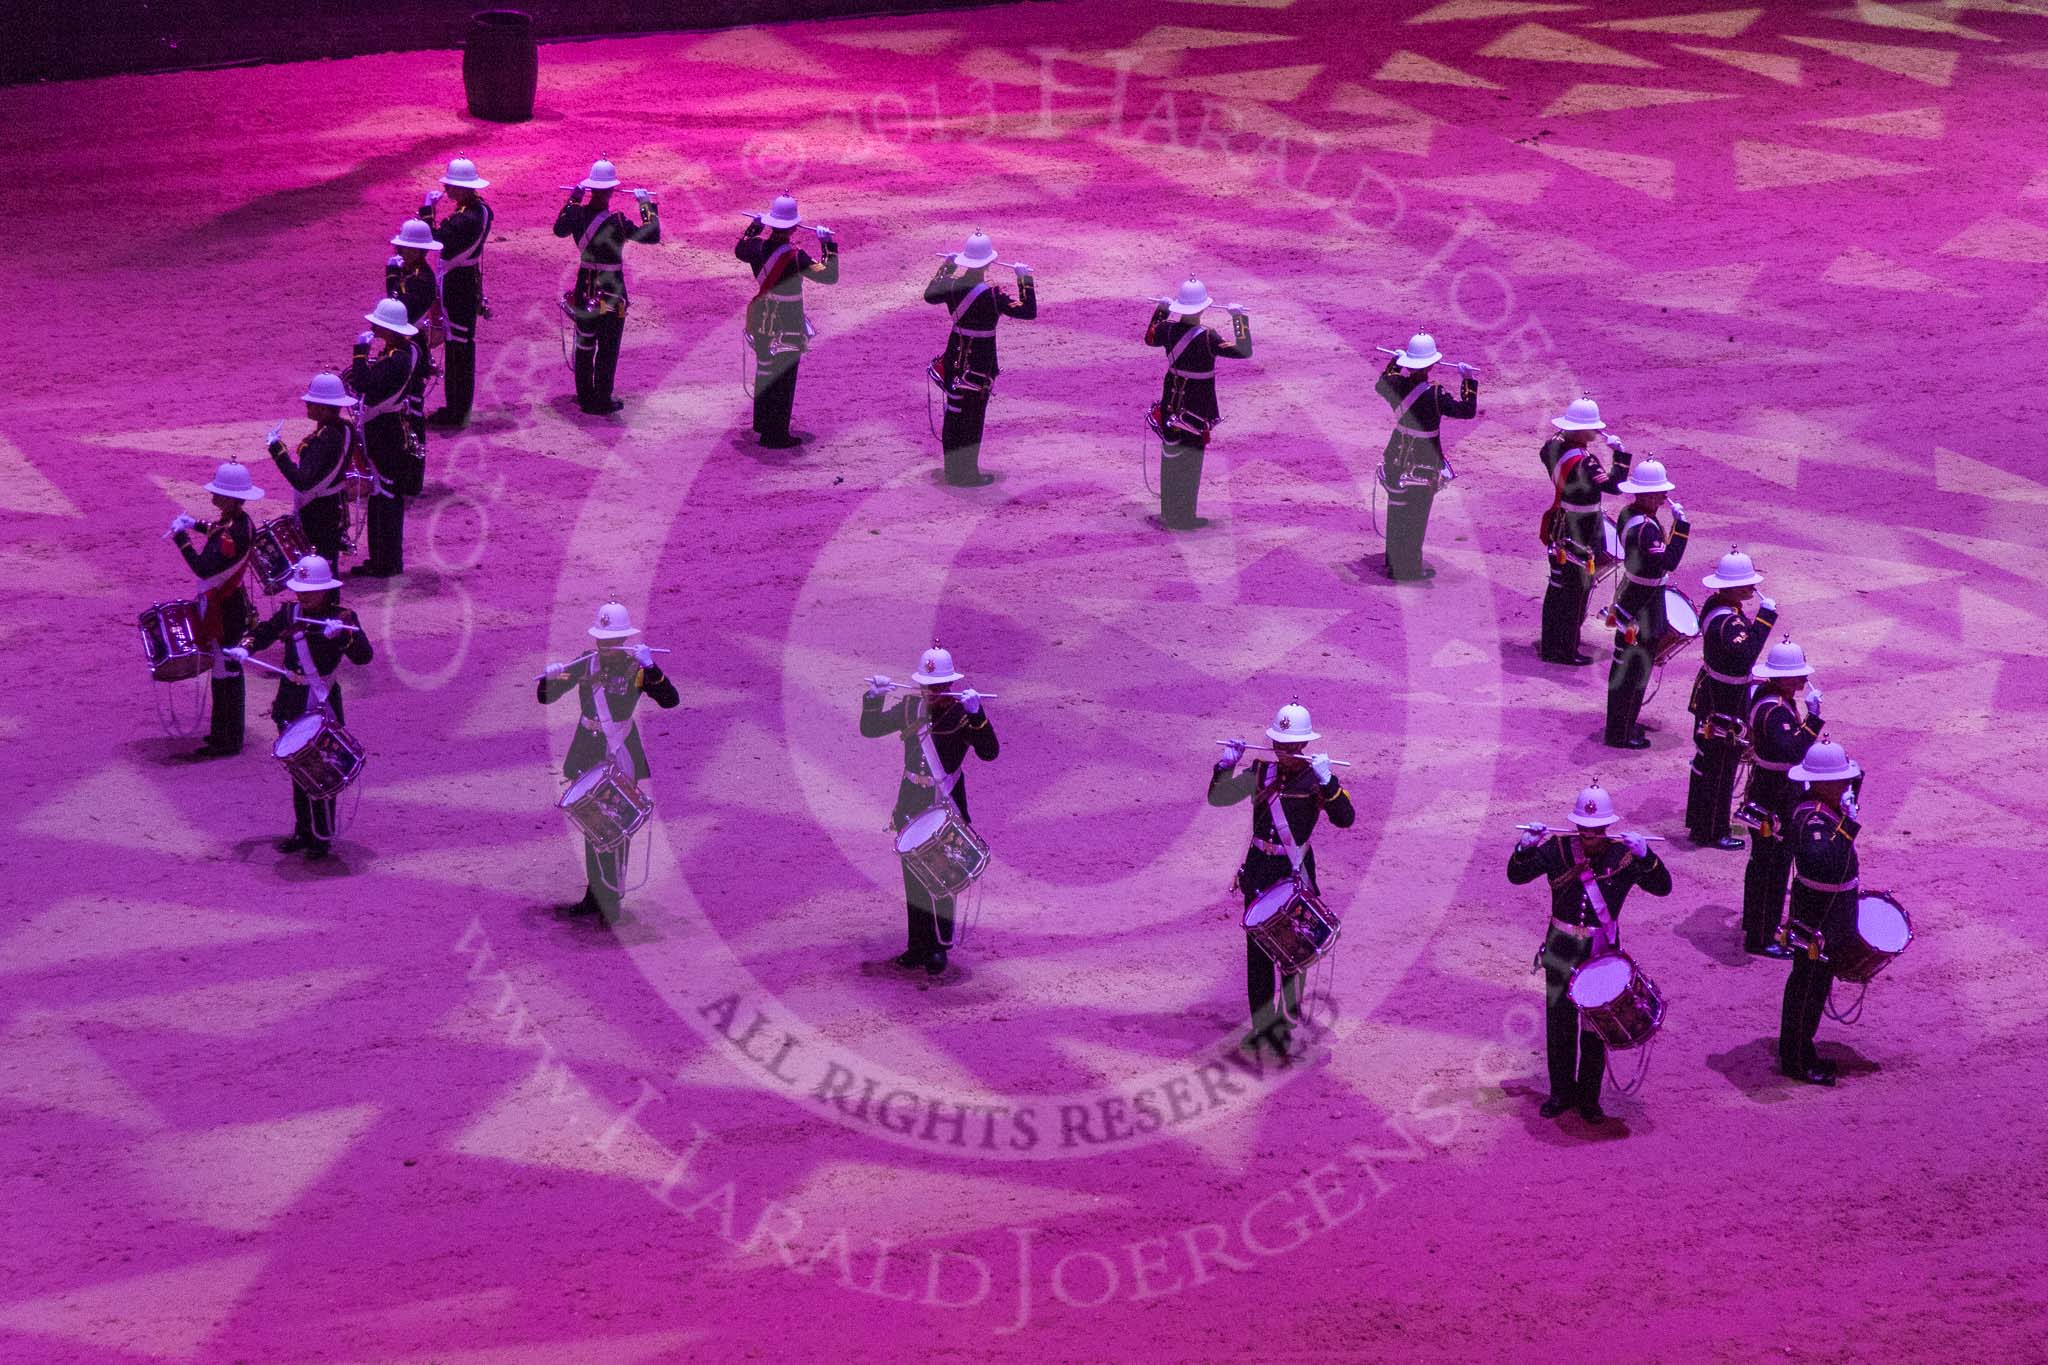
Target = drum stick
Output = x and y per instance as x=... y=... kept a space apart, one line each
x=592 y=653
x=917 y=687
x=272 y=668
x=1269 y=749
x=1389 y=350
x=319 y=621
x=1538 y=828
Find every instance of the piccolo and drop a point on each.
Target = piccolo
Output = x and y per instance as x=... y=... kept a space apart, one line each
x=1539 y=828
x=322 y=621
x=1269 y=749
x=1458 y=365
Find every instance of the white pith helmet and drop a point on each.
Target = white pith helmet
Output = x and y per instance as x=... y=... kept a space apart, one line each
x=327 y=390
x=1419 y=354
x=978 y=252
x=390 y=315
x=1648 y=476
x=613 y=623
x=1194 y=298
x=415 y=233
x=232 y=480
x=782 y=213
x=1826 y=761
x=1736 y=570
x=1785 y=659
x=603 y=176
x=1593 y=808
x=312 y=574
x=1291 y=725
x=935 y=667
x=1581 y=414
x=462 y=175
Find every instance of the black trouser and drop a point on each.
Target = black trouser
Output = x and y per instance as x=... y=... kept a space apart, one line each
x=322 y=521
x=229 y=698
x=1180 y=478
x=462 y=294
x=1763 y=888
x=966 y=414
x=597 y=355
x=1260 y=872
x=1571 y=582
x=774 y=389
x=1407 y=519
x=387 y=532
x=1576 y=1056
x=1711 y=790
x=930 y=919
x=604 y=871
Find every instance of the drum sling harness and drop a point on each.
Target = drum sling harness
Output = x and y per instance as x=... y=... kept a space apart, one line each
x=317 y=685
x=943 y=782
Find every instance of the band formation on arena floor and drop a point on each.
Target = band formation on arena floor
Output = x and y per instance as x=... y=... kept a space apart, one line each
x=1759 y=758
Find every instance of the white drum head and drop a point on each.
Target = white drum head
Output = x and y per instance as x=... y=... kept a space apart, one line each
x=1600 y=981
x=297 y=736
x=1269 y=903
x=582 y=786
x=1679 y=614
x=1882 y=924
x=920 y=829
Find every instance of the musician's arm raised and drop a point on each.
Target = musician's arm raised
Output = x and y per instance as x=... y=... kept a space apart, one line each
x=1227 y=786
x=981 y=736
x=877 y=720
x=357 y=649
x=1652 y=875
x=1386 y=387
x=648 y=230
x=1239 y=347
x=1026 y=306
x=825 y=271
x=1155 y=330
x=658 y=688
x=267 y=631
x=940 y=290
x=1465 y=405
x=570 y=220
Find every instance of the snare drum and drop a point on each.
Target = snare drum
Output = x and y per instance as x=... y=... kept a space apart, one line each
x=606 y=805
x=1681 y=624
x=321 y=757
x=1881 y=933
x=942 y=851
x=1617 y=1003
x=1291 y=925
x=170 y=641
x=276 y=549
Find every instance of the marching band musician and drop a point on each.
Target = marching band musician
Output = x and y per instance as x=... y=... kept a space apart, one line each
x=936 y=725
x=463 y=234
x=222 y=562
x=1572 y=530
x=968 y=370
x=1778 y=740
x=1730 y=643
x=1187 y=408
x=1647 y=562
x=1822 y=833
x=621 y=673
x=1304 y=788
x=314 y=653
x=775 y=322
x=386 y=386
x=1590 y=874
x=598 y=302
x=1412 y=468
x=315 y=468
x=410 y=278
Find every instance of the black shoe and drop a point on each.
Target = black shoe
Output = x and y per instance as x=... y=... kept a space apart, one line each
x=1191 y=524
x=1593 y=1114
x=586 y=906
x=908 y=958
x=1777 y=950
x=316 y=849
x=936 y=963
x=1579 y=660
x=1632 y=742
x=1727 y=842
x=294 y=842
x=973 y=481
x=211 y=750
x=1553 y=1108
x=446 y=417
x=784 y=441
x=1820 y=1073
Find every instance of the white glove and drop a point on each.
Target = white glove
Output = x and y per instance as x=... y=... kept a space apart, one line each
x=1813 y=695
x=556 y=671
x=1465 y=370
x=1613 y=443
x=879 y=684
x=1767 y=603
x=334 y=630
x=365 y=338
x=1236 y=310
x=275 y=435
x=1319 y=764
x=181 y=522
x=1233 y=754
x=1023 y=270
x=236 y=652
x=1849 y=803
x=1637 y=844
x=1678 y=511
x=1530 y=838
x=643 y=656
x=643 y=196
x=971 y=700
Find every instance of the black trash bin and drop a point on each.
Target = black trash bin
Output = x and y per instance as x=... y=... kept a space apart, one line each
x=500 y=65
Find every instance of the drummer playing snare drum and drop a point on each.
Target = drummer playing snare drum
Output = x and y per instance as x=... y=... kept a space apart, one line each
x=1647 y=561
x=317 y=633
x=939 y=722
x=1590 y=872
x=1304 y=786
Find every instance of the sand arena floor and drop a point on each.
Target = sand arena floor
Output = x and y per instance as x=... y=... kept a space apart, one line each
x=390 y=1109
